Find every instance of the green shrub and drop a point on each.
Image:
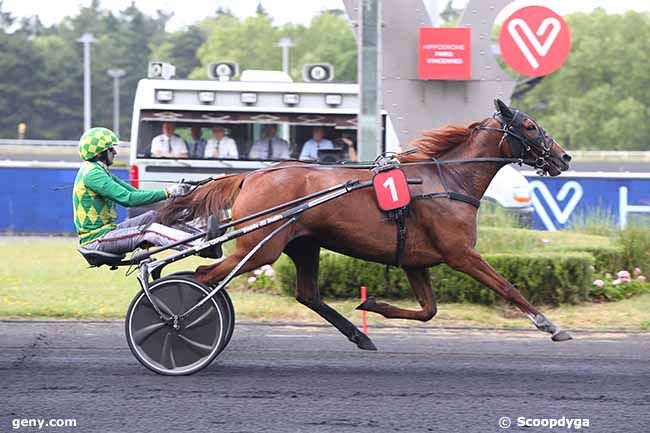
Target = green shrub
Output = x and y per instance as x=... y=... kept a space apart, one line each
x=611 y=292
x=549 y=278
x=634 y=241
x=606 y=259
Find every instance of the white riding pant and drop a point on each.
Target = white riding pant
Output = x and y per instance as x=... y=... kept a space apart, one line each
x=135 y=232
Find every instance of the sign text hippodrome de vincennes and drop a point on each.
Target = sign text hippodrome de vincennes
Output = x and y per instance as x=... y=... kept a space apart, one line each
x=444 y=54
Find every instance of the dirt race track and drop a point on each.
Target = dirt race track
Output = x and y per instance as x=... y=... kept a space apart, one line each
x=310 y=379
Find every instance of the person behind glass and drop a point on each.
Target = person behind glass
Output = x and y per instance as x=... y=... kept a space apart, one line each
x=168 y=144
x=221 y=146
x=197 y=145
x=348 y=145
x=270 y=146
x=312 y=146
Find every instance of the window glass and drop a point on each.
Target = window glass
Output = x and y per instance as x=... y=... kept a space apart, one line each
x=246 y=136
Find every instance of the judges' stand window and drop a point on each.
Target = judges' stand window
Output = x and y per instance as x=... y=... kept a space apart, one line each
x=246 y=136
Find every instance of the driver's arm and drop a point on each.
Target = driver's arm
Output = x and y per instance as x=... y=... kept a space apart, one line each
x=108 y=186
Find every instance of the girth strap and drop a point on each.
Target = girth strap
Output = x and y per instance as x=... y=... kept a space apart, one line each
x=400 y=219
x=452 y=196
x=398 y=216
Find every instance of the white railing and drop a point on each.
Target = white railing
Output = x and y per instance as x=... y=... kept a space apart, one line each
x=611 y=154
x=49 y=143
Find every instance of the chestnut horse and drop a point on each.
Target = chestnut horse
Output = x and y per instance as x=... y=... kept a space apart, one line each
x=440 y=230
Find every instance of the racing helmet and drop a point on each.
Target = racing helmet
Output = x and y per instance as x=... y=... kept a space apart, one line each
x=95 y=141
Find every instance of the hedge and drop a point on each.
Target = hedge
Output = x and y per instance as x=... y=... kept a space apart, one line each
x=544 y=278
x=606 y=259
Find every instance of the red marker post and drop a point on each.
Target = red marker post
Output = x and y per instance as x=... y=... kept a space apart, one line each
x=364 y=315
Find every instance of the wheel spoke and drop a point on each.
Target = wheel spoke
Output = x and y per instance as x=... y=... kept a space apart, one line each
x=166 y=354
x=181 y=298
x=201 y=349
x=163 y=307
x=141 y=335
x=201 y=320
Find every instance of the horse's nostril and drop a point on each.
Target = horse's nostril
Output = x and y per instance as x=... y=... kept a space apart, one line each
x=566 y=158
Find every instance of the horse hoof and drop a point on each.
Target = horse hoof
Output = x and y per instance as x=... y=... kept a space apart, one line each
x=362 y=341
x=561 y=336
x=366 y=343
x=367 y=304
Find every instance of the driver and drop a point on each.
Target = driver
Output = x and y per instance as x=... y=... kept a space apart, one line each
x=95 y=192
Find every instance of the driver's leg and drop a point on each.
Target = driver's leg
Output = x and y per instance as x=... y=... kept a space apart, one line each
x=144 y=219
x=124 y=240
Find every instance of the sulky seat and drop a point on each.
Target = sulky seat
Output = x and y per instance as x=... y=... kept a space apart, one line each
x=98 y=258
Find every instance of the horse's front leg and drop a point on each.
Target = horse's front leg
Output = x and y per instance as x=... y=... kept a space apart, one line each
x=420 y=281
x=471 y=263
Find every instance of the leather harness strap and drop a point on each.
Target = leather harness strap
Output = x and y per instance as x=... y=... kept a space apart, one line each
x=452 y=196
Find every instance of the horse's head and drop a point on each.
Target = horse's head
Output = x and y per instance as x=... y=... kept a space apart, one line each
x=523 y=138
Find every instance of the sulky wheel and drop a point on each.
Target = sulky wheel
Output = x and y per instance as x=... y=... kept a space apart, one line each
x=224 y=301
x=189 y=348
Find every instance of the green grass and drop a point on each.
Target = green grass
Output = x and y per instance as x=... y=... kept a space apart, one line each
x=46 y=278
x=512 y=240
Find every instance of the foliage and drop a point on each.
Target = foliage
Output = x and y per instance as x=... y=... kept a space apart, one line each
x=596 y=221
x=635 y=243
x=493 y=215
x=180 y=49
x=41 y=83
x=252 y=42
x=608 y=290
x=549 y=278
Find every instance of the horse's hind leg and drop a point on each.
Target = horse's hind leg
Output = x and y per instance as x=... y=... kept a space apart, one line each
x=305 y=255
x=471 y=263
x=420 y=280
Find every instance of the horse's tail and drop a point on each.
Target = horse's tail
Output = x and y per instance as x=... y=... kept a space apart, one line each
x=213 y=198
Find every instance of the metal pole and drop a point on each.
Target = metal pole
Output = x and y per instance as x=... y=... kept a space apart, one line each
x=370 y=124
x=86 y=39
x=116 y=106
x=116 y=74
x=285 y=44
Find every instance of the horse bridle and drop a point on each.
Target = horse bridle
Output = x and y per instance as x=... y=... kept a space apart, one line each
x=520 y=146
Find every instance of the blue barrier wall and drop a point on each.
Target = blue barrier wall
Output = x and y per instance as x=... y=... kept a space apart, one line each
x=29 y=203
x=561 y=200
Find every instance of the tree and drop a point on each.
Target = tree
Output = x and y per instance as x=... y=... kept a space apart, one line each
x=6 y=19
x=180 y=49
x=21 y=66
x=260 y=10
x=250 y=42
x=451 y=15
x=329 y=38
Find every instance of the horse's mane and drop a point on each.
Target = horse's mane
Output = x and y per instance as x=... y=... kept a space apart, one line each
x=436 y=142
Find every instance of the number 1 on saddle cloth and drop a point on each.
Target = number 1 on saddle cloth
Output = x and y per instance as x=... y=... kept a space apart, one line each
x=391 y=189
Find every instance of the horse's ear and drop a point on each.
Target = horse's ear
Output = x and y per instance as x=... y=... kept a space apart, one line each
x=502 y=108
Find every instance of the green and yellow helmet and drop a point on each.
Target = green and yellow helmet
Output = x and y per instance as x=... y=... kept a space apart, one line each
x=95 y=141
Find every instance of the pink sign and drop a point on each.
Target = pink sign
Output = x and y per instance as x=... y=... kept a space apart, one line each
x=444 y=54
x=535 y=41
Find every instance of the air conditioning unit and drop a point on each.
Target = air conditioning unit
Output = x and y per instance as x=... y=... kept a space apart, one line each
x=223 y=71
